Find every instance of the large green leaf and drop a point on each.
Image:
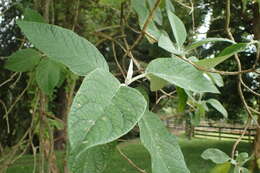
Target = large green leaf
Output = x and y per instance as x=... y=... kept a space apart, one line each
x=180 y=73
x=218 y=106
x=32 y=16
x=93 y=160
x=224 y=55
x=64 y=46
x=215 y=155
x=166 y=43
x=23 y=60
x=178 y=28
x=204 y=41
x=102 y=111
x=47 y=75
x=165 y=152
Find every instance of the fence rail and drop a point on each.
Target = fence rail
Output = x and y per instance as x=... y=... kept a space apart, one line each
x=223 y=132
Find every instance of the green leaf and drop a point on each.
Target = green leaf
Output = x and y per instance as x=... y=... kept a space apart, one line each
x=205 y=41
x=23 y=60
x=31 y=15
x=181 y=74
x=218 y=106
x=224 y=55
x=152 y=32
x=166 y=43
x=235 y=48
x=221 y=168
x=178 y=28
x=64 y=46
x=156 y=83
x=93 y=160
x=215 y=155
x=102 y=111
x=47 y=75
x=216 y=78
x=182 y=99
x=242 y=158
x=163 y=147
x=169 y=6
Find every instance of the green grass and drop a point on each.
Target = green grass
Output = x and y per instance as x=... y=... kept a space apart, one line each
x=136 y=152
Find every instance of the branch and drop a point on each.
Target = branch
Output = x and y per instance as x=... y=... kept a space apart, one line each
x=240 y=81
x=147 y=22
x=130 y=161
x=8 y=80
x=117 y=63
x=240 y=138
x=217 y=71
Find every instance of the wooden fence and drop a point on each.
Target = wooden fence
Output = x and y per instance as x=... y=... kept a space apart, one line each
x=223 y=132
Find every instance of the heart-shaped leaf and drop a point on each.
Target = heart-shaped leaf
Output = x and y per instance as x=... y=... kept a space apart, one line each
x=103 y=110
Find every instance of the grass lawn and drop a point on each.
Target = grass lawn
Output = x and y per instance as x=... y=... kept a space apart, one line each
x=136 y=152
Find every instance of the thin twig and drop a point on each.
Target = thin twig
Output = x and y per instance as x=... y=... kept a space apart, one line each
x=184 y=5
x=239 y=82
x=249 y=89
x=8 y=80
x=253 y=110
x=240 y=138
x=143 y=32
x=17 y=80
x=117 y=63
x=76 y=15
x=192 y=16
x=107 y=28
x=18 y=98
x=130 y=161
x=7 y=118
x=216 y=71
